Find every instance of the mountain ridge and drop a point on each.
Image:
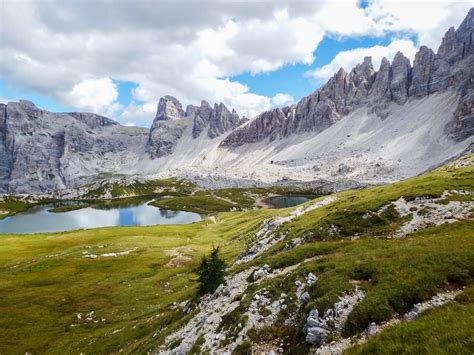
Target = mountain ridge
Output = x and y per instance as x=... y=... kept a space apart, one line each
x=363 y=85
x=332 y=133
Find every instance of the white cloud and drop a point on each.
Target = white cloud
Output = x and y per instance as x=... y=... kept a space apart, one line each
x=190 y=49
x=428 y=19
x=349 y=59
x=281 y=100
x=96 y=95
x=4 y=100
x=140 y=114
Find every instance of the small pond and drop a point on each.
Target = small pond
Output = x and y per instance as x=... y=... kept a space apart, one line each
x=40 y=219
x=287 y=201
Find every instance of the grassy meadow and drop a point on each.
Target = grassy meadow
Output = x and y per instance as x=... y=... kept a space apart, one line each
x=68 y=293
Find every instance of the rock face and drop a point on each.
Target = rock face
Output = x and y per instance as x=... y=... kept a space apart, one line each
x=169 y=108
x=451 y=68
x=44 y=151
x=171 y=121
x=400 y=78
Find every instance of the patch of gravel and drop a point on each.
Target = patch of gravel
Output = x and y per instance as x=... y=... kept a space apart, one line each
x=430 y=212
x=88 y=255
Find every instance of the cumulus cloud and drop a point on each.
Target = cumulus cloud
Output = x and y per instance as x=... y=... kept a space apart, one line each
x=281 y=100
x=96 y=95
x=349 y=59
x=437 y=17
x=190 y=49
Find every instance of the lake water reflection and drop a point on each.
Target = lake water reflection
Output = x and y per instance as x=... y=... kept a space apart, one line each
x=40 y=220
x=287 y=201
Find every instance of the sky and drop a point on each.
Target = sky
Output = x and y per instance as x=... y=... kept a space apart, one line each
x=118 y=57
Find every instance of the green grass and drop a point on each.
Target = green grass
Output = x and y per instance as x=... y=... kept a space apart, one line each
x=221 y=200
x=45 y=281
x=446 y=330
x=66 y=208
x=396 y=274
x=198 y=203
x=146 y=188
x=10 y=205
x=355 y=213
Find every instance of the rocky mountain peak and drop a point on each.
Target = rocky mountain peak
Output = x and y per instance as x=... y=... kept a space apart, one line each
x=165 y=132
x=400 y=78
x=27 y=103
x=169 y=108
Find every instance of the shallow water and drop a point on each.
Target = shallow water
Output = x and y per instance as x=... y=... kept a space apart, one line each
x=40 y=220
x=287 y=201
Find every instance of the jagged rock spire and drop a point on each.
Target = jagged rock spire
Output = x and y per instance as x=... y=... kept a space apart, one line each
x=169 y=108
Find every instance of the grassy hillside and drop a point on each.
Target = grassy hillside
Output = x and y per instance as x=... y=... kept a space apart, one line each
x=46 y=280
x=134 y=279
x=447 y=330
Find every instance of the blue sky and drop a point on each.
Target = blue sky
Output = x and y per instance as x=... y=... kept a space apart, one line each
x=252 y=55
x=293 y=79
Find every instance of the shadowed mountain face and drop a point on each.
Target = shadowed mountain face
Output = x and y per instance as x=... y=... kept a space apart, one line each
x=362 y=110
x=42 y=151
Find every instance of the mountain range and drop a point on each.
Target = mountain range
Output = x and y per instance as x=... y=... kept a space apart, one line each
x=366 y=125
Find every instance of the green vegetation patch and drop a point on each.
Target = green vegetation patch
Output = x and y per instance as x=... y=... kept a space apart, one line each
x=445 y=330
x=49 y=287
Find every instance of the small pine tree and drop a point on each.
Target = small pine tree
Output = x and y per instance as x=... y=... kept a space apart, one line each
x=211 y=272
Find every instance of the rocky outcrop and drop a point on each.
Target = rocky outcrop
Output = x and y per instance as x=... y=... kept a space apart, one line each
x=5 y=155
x=222 y=121
x=164 y=137
x=459 y=46
x=450 y=68
x=218 y=119
x=202 y=117
x=316 y=329
x=400 y=78
x=171 y=121
x=169 y=108
x=268 y=124
x=421 y=71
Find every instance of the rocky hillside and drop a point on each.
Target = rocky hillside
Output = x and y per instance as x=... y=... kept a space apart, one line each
x=452 y=67
x=340 y=270
x=366 y=126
